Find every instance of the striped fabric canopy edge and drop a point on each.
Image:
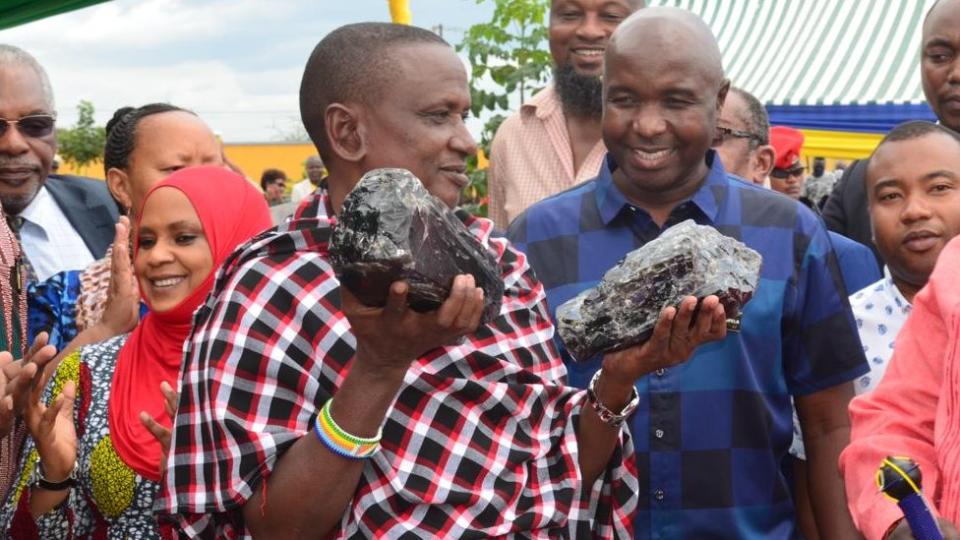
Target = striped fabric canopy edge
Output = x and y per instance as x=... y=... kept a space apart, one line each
x=819 y=52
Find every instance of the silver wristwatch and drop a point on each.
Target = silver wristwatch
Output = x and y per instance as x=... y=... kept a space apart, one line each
x=66 y=483
x=606 y=415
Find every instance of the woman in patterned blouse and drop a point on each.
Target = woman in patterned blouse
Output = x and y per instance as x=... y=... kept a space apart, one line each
x=92 y=465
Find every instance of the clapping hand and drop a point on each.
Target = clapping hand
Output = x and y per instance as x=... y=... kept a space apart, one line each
x=51 y=427
x=18 y=378
x=122 y=309
x=170 y=398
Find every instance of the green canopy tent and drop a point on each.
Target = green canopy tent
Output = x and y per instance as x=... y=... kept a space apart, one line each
x=17 y=12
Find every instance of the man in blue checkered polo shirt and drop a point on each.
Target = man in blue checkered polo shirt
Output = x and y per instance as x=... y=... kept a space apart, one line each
x=710 y=433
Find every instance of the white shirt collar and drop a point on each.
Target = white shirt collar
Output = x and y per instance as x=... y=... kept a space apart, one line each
x=41 y=205
x=901 y=301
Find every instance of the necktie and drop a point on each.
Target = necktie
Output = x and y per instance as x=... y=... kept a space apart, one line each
x=25 y=271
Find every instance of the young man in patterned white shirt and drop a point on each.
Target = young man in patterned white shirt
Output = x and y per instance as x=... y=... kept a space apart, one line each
x=913 y=192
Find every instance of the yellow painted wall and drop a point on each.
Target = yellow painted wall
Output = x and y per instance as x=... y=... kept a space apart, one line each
x=838 y=145
x=252 y=158
x=94 y=170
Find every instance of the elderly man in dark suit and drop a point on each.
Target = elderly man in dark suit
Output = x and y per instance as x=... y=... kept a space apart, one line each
x=62 y=222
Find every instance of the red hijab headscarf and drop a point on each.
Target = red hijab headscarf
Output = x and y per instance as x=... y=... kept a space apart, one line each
x=231 y=211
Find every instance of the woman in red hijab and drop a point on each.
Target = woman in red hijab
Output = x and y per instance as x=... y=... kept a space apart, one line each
x=91 y=467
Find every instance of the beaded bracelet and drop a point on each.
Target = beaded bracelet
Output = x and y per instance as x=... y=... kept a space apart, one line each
x=339 y=441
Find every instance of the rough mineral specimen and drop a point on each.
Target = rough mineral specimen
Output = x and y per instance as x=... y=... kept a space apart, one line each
x=685 y=260
x=391 y=228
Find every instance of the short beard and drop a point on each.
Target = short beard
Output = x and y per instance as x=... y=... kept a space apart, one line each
x=14 y=203
x=580 y=95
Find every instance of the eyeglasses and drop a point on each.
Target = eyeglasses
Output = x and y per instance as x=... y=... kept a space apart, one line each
x=726 y=132
x=783 y=174
x=34 y=125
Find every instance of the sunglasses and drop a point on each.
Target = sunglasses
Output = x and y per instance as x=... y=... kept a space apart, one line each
x=34 y=126
x=783 y=174
x=726 y=133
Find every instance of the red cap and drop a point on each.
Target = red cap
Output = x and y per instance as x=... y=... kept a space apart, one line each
x=787 y=143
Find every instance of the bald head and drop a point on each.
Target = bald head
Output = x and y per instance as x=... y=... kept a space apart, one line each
x=672 y=31
x=939 y=8
x=663 y=90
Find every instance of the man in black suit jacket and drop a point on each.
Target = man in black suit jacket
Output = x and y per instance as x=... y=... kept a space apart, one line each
x=88 y=206
x=63 y=222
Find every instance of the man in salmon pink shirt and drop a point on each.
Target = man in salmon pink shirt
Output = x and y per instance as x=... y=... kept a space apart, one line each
x=915 y=412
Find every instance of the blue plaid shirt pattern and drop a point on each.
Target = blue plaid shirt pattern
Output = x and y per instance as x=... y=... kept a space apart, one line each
x=711 y=434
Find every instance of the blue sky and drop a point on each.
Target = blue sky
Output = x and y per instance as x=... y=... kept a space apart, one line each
x=235 y=62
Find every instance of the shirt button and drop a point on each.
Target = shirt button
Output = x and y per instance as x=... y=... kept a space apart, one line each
x=658 y=494
x=661 y=372
x=658 y=433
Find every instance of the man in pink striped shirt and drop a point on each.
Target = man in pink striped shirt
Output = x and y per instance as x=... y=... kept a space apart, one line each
x=553 y=141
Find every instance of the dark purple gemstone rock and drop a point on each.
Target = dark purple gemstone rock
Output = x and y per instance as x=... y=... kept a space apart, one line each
x=391 y=228
x=685 y=260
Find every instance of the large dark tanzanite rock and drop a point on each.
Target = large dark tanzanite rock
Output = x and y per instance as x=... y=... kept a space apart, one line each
x=391 y=228
x=686 y=260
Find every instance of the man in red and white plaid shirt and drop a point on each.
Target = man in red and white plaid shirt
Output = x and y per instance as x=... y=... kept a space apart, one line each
x=480 y=438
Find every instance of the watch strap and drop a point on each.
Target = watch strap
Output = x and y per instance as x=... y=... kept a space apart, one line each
x=66 y=483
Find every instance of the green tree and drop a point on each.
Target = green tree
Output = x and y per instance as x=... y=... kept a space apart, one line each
x=82 y=144
x=510 y=61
